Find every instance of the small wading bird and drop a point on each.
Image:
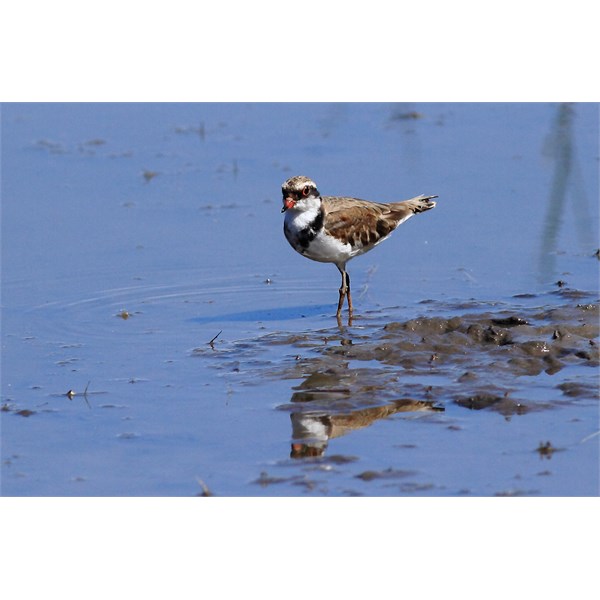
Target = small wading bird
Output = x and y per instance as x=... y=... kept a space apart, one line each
x=335 y=229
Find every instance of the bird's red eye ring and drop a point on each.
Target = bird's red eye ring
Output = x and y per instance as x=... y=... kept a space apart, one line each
x=306 y=191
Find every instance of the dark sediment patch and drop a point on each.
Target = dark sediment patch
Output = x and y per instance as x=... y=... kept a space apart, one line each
x=384 y=474
x=462 y=349
x=576 y=389
x=501 y=404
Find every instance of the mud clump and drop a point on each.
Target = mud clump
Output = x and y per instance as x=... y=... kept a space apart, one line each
x=479 y=401
x=426 y=326
x=384 y=474
x=509 y=321
x=575 y=389
x=535 y=348
x=489 y=335
x=502 y=404
x=526 y=344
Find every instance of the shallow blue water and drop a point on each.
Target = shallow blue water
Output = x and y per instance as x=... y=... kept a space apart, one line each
x=170 y=215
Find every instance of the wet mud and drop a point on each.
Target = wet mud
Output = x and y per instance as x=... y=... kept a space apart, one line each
x=507 y=361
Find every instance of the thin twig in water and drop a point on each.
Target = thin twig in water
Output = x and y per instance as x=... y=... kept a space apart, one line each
x=212 y=342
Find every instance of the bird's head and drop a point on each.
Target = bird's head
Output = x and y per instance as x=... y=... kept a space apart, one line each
x=297 y=193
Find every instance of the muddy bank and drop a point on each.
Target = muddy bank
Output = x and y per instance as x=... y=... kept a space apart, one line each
x=511 y=362
x=469 y=350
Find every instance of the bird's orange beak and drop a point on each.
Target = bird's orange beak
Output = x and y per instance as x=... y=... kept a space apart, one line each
x=288 y=203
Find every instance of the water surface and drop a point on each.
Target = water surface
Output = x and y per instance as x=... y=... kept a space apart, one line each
x=135 y=235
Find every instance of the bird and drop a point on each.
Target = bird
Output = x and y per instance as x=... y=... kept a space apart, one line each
x=335 y=229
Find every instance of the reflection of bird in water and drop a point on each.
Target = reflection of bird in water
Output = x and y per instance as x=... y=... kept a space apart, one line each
x=311 y=432
x=560 y=146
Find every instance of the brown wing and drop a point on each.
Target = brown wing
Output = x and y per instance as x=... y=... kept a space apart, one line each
x=362 y=223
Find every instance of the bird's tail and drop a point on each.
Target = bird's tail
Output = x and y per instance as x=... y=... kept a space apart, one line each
x=419 y=203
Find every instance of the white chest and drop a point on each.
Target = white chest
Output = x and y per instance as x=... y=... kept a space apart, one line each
x=304 y=231
x=317 y=245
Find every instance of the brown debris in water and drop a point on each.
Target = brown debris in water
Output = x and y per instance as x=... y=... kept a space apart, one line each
x=546 y=450
x=149 y=175
x=25 y=412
